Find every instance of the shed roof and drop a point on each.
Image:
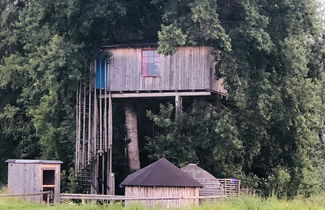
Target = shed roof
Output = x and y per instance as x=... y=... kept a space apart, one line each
x=24 y=161
x=161 y=173
x=212 y=186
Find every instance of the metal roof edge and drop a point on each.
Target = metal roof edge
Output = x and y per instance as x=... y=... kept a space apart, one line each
x=28 y=161
x=133 y=45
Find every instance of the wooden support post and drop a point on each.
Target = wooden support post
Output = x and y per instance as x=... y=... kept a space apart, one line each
x=225 y=187
x=238 y=189
x=103 y=173
x=77 y=130
x=111 y=184
x=94 y=148
x=97 y=172
x=110 y=122
x=95 y=122
x=111 y=177
x=105 y=111
x=84 y=129
x=93 y=188
x=89 y=125
x=100 y=110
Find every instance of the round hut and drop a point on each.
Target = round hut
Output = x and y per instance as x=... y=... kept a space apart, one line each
x=163 y=180
x=211 y=185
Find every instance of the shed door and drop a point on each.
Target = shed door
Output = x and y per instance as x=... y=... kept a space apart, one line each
x=48 y=184
x=101 y=73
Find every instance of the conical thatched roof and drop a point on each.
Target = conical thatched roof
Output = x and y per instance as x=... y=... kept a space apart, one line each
x=211 y=186
x=197 y=172
x=161 y=173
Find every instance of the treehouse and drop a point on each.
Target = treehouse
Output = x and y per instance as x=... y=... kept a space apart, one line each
x=141 y=69
x=128 y=72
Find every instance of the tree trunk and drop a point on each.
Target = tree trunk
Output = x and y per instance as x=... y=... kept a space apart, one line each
x=132 y=135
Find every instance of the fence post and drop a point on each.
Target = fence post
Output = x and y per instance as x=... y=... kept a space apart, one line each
x=48 y=198
x=238 y=192
x=225 y=182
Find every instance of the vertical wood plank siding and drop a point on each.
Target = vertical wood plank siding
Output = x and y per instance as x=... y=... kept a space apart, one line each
x=188 y=69
x=170 y=192
x=28 y=178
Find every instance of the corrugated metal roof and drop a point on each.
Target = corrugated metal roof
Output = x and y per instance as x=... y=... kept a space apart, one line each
x=161 y=173
x=24 y=161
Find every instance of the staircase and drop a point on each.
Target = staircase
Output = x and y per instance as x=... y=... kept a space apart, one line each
x=93 y=141
x=84 y=178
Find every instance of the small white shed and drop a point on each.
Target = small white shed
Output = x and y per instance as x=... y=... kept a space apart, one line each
x=35 y=176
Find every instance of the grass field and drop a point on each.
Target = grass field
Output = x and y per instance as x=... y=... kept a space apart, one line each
x=241 y=203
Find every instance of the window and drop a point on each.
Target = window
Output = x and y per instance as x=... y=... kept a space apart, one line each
x=150 y=63
x=48 y=177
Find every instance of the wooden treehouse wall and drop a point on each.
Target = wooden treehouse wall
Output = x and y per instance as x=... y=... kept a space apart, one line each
x=190 y=68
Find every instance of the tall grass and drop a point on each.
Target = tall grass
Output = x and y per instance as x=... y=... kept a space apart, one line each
x=241 y=203
x=257 y=203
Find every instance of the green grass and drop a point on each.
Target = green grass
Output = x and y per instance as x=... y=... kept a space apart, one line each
x=256 y=203
x=241 y=203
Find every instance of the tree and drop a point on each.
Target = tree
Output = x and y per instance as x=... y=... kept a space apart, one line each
x=205 y=134
x=273 y=75
x=45 y=52
x=131 y=124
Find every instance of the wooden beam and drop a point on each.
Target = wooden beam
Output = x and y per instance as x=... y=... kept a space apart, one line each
x=163 y=94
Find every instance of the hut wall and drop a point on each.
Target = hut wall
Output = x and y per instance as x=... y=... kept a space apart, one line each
x=170 y=192
x=190 y=68
x=212 y=187
x=24 y=178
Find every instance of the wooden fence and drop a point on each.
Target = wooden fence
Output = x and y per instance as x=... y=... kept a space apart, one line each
x=48 y=193
x=230 y=187
x=69 y=196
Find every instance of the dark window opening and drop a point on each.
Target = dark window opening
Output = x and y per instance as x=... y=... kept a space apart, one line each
x=150 y=63
x=48 y=177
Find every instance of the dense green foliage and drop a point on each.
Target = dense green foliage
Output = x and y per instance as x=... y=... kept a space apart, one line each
x=272 y=59
x=274 y=77
x=205 y=134
x=46 y=48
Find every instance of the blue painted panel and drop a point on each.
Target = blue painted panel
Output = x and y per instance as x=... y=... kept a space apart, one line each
x=101 y=68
